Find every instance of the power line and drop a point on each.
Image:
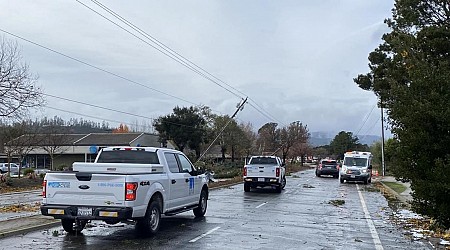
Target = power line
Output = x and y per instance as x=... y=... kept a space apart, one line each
x=162 y=51
x=366 y=118
x=98 y=68
x=172 y=54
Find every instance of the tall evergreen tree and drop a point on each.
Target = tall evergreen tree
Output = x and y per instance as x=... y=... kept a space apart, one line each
x=410 y=73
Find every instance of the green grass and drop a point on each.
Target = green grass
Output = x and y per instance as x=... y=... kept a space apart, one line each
x=397 y=187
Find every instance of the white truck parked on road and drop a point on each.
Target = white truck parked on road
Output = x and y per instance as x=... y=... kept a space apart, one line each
x=262 y=171
x=125 y=184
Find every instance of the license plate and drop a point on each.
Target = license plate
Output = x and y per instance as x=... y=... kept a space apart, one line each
x=352 y=176
x=260 y=179
x=84 y=211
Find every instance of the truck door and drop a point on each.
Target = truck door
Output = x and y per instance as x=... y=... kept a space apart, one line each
x=194 y=181
x=178 y=191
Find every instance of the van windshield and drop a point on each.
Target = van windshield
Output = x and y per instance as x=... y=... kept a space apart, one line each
x=357 y=162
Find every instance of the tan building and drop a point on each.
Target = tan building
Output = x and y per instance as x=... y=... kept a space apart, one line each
x=69 y=148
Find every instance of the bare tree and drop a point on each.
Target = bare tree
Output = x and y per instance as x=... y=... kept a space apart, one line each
x=18 y=90
x=55 y=140
x=19 y=139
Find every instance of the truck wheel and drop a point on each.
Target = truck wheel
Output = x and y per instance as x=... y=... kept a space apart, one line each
x=283 y=184
x=278 y=189
x=246 y=187
x=202 y=204
x=71 y=227
x=152 y=219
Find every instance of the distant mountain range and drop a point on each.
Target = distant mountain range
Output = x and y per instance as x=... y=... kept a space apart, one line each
x=324 y=138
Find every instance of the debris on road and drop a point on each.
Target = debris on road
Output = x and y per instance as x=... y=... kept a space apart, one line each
x=336 y=202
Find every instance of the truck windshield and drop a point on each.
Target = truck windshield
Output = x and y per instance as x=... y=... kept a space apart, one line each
x=128 y=156
x=263 y=160
x=358 y=162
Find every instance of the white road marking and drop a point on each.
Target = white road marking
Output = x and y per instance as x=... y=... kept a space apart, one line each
x=373 y=230
x=203 y=235
x=287 y=192
x=298 y=185
x=260 y=205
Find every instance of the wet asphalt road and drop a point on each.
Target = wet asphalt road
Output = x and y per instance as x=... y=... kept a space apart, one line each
x=298 y=218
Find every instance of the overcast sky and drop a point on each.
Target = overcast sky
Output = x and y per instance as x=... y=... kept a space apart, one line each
x=296 y=59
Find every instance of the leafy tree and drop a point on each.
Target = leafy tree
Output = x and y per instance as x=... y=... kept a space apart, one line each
x=18 y=89
x=248 y=140
x=343 y=142
x=268 y=138
x=185 y=127
x=410 y=73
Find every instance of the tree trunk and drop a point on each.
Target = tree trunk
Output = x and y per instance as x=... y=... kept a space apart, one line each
x=223 y=150
x=232 y=153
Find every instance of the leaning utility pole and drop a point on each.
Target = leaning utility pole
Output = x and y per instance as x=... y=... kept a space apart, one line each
x=240 y=107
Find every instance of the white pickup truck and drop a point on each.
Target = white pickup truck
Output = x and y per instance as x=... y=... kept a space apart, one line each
x=125 y=184
x=264 y=171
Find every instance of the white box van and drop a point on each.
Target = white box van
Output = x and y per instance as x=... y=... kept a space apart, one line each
x=356 y=166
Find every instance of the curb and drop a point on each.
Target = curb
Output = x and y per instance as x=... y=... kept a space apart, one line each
x=28 y=229
x=397 y=195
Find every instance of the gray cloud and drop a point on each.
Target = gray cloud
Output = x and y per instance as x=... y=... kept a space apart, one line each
x=296 y=59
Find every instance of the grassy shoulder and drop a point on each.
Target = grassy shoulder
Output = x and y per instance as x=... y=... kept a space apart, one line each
x=9 y=185
x=397 y=187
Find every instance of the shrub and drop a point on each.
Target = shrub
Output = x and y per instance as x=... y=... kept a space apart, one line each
x=28 y=171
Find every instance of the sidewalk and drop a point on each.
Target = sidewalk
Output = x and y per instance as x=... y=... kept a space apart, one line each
x=405 y=196
x=26 y=224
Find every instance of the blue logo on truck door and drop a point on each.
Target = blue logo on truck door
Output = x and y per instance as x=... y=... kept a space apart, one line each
x=191 y=185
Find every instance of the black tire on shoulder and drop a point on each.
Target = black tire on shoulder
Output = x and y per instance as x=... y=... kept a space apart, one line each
x=246 y=187
x=70 y=226
x=202 y=204
x=152 y=220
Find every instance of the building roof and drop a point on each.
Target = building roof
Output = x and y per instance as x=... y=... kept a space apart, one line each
x=107 y=139
x=97 y=139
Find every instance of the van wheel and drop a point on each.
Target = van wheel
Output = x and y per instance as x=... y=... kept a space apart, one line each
x=365 y=181
x=152 y=219
x=72 y=227
x=202 y=204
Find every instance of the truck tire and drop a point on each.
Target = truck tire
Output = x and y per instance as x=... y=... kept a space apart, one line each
x=152 y=220
x=283 y=183
x=202 y=204
x=71 y=227
x=278 y=189
x=246 y=187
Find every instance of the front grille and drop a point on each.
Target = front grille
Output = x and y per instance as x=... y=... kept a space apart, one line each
x=353 y=172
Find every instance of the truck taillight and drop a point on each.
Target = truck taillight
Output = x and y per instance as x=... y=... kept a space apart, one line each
x=44 y=189
x=130 y=191
x=277 y=172
x=245 y=171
